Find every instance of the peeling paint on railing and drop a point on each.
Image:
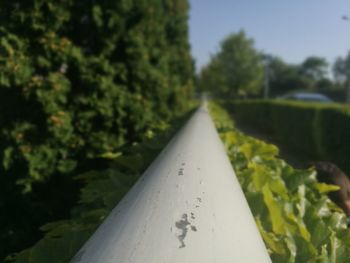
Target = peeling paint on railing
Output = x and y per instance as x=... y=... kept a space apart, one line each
x=187 y=207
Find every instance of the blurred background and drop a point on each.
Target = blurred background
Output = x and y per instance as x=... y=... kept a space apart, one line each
x=303 y=46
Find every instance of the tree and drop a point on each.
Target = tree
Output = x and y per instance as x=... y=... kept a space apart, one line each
x=341 y=71
x=210 y=78
x=311 y=75
x=284 y=77
x=314 y=68
x=236 y=70
x=324 y=85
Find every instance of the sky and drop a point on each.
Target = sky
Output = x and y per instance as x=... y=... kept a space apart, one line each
x=291 y=29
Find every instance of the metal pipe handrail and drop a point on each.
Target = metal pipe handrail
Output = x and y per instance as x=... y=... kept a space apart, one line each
x=188 y=206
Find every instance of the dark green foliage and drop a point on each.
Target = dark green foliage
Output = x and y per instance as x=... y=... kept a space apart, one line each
x=21 y=215
x=338 y=94
x=286 y=122
x=88 y=77
x=101 y=192
x=78 y=79
x=311 y=75
x=314 y=131
x=284 y=77
x=314 y=68
x=335 y=139
x=341 y=69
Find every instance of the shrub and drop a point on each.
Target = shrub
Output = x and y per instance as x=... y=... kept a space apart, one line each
x=79 y=79
x=314 y=131
x=296 y=219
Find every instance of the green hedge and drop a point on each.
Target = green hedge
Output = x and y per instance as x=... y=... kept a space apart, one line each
x=102 y=191
x=78 y=79
x=314 y=131
x=296 y=219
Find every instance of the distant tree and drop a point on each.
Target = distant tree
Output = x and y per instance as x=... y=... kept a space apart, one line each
x=314 y=68
x=341 y=71
x=284 y=77
x=341 y=68
x=211 y=78
x=311 y=75
x=236 y=70
x=324 y=84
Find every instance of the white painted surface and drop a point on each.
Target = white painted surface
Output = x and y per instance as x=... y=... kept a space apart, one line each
x=187 y=207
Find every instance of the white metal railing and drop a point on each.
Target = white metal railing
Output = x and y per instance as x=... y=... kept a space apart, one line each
x=187 y=207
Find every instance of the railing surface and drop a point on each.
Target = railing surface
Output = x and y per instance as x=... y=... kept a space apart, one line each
x=187 y=207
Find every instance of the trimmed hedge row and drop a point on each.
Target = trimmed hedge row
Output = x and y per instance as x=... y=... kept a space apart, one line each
x=313 y=130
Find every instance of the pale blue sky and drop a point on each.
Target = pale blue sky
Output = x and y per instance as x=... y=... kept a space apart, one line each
x=291 y=29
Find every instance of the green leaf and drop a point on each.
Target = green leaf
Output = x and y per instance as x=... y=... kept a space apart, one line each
x=276 y=211
x=110 y=155
x=273 y=242
x=326 y=188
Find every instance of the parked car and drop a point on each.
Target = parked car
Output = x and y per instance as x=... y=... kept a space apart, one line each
x=307 y=96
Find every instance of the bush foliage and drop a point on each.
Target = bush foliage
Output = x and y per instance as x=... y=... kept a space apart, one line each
x=296 y=219
x=78 y=79
x=102 y=191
